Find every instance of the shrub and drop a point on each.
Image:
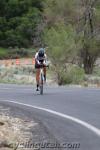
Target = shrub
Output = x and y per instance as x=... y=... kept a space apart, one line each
x=96 y=71
x=72 y=74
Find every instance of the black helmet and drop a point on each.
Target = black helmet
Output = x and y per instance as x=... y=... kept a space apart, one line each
x=41 y=52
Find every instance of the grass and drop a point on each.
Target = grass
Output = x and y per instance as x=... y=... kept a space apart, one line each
x=21 y=75
x=26 y=75
x=3 y=52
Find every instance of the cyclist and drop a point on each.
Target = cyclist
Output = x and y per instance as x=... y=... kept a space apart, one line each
x=40 y=58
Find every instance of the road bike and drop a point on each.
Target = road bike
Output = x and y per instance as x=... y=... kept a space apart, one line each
x=42 y=80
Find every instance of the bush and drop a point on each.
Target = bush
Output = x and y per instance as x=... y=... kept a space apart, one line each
x=77 y=74
x=96 y=71
x=72 y=74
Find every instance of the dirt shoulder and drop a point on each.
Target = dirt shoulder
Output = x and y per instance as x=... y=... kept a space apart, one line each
x=14 y=130
x=20 y=130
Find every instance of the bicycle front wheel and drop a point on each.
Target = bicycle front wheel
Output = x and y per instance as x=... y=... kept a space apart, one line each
x=41 y=84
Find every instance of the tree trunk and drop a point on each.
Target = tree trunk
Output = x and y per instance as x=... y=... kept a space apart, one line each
x=88 y=62
x=88 y=58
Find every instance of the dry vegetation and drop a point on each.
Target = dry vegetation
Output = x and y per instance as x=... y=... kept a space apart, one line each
x=14 y=131
x=20 y=74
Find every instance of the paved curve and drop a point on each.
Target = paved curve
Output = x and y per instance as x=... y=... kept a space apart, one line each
x=80 y=103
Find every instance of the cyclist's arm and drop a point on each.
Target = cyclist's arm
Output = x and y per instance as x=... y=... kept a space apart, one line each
x=45 y=58
x=46 y=61
x=36 y=58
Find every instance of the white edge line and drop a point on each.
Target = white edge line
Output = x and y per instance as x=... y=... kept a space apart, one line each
x=76 y=120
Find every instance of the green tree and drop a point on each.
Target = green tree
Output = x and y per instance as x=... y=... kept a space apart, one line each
x=91 y=34
x=61 y=46
x=84 y=16
x=18 y=22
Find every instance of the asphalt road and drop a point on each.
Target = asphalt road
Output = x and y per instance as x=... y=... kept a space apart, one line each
x=70 y=114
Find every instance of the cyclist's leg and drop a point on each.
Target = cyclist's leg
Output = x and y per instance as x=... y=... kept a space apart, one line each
x=44 y=71
x=37 y=77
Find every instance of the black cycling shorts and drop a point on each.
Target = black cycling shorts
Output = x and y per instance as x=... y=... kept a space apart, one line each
x=37 y=66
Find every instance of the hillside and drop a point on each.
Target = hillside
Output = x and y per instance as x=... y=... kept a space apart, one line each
x=68 y=30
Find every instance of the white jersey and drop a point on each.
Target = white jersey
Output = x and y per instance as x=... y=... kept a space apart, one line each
x=39 y=59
